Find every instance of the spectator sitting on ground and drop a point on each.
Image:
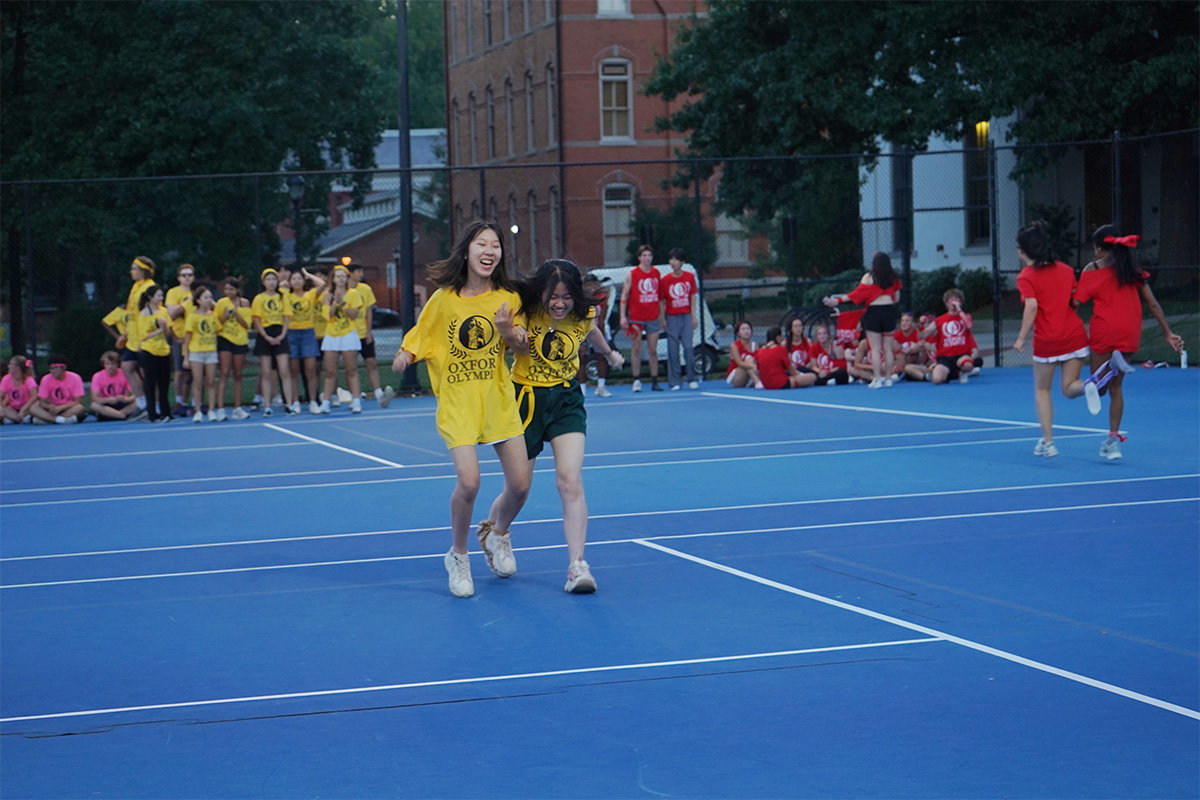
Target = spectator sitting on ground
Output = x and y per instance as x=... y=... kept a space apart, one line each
x=957 y=353
x=909 y=350
x=112 y=396
x=743 y=369
x=828 y=359
x=775 y=368
x=798 y=346
x=18 y=392
x=60 y=395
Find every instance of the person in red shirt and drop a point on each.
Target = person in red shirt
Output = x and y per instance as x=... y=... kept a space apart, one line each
x=957 y=351
x=1116 y=286
x=1046 y=286
x=743 y=369
x=827 y=358
x=775 y=368
x=907 y=349
x=878 y=289
x=680 y=300
x=640 y=314
x=799 y=346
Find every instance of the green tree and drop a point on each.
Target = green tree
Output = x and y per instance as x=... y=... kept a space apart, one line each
x=666 y=230
x=426 y=60
x=138 y=90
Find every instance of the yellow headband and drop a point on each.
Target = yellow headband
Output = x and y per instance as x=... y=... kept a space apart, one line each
x=266 y=272
x=343 y=269
x=142 y=265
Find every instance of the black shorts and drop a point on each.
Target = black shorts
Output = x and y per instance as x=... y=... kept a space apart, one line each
x=263 y=348
x=555 y=410
x=226 y=346
x=880 y=319
x=951 y=363
x=368 y=348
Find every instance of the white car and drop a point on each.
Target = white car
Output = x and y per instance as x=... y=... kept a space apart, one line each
x=706 y=347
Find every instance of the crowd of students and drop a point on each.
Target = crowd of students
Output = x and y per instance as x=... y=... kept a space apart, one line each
x=304 y=324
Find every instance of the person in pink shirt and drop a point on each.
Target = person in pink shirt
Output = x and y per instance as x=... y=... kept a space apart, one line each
x=18 y=392
x=60 y=395
x=112 y=396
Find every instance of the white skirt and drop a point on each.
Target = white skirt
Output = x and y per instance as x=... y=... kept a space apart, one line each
x=341 y=344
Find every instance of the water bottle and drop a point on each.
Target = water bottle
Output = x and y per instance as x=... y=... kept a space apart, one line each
x=1183 y=359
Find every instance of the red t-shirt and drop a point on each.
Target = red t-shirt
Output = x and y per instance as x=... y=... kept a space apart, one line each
x=799 y=353
x=1057 y=329
x=772 y=366
x=824 y=360
x=677 y=292
x=869 y=292
x=643 y=295
x=847 y=327
x=953 y=337
x=1116 y=310
x=741 y=352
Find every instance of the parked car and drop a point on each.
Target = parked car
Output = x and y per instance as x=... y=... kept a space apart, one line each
x=706 y=348
x=385 y=318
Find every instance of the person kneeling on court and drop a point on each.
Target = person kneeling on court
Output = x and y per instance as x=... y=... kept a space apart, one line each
x=957 y=351
x=775 y=367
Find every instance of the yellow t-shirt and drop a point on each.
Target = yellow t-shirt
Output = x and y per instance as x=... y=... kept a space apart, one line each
x=304 y=309
x=229 y=329
x=457 y=338
x=368 y=296
x=133 y=308
x=553 y=357
x=336 y=321
x=116 y=318
x=178 y=296
x=270 y=309
x=146 y=323
x=203 y=329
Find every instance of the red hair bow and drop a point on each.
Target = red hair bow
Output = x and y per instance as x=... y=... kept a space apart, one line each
x=1129 y=241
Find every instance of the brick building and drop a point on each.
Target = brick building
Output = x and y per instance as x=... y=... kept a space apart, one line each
x=532 y=84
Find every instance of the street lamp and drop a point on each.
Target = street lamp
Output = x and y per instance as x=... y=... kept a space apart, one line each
x=516 y=253
x=295 y=186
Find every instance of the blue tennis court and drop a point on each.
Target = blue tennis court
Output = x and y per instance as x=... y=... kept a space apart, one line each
x=829 y=592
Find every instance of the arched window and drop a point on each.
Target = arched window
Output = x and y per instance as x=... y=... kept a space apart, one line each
x=616 y=99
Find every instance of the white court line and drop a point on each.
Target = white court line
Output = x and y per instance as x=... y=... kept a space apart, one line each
x=209 y=479
x=622 y=515
x=924 y=518
x=657 y=465
x=323 y=443
x=928 y=414
x=684 y=662
x=992 y=651
x=153 y=451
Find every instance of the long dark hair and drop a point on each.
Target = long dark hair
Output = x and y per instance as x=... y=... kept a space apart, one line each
x=535 y=291
x=881 y=270
x=144 y=299
x=1127 y=271
x=1035 y=243
x=451 y=273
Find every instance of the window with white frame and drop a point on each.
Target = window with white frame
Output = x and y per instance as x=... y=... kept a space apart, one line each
x=732 y=244
x=618 y=218
x=551 y=111
x=612 y=8
x=529 y=141
x=616 y=98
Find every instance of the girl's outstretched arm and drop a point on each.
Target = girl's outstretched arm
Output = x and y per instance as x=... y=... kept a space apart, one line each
x=1173 y=339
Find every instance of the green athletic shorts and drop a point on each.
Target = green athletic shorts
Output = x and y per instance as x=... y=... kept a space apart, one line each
x=550 y=411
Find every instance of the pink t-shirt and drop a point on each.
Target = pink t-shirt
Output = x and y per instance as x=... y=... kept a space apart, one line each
x=18 y=396
x=68 y=390
x=105 y=386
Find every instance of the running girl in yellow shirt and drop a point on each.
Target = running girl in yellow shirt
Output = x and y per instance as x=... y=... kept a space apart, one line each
x=462 y=334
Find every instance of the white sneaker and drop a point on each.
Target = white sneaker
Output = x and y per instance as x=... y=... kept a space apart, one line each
x=212 y=417
x=198 y=417
x=974 y=371
x=1045 y=449
x=294 y=408
x=324 y=407
x=579 y=578
x=66 y=420
x=1111 y=449
x=963 y=378
x=240 y=413
x=875 y=383
x=1118 y=361
x=268 y=411
x=388 y=394
x=637 y=386
x=1093 y=397
x=459 y=568
x=314 y=407
x=693 y=384
x=602 y=391
x=498 y=549
x=343 y=395
x=356 y=406
x=676 y=388
x=278 y=401
x=221 y=415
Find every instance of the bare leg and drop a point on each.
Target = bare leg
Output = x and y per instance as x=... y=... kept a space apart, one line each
x=462 y=500
x=1043 y=382
x=568 y=473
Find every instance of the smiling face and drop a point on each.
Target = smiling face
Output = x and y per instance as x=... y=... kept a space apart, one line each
x=205 y=301
x=559 y=302
x=484 y=254
x=296 y=281
x=906 y=322
x=230 y=291
x=270 y=281
x=156 y=298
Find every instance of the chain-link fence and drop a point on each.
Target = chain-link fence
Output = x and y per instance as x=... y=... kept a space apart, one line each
x=947 y=217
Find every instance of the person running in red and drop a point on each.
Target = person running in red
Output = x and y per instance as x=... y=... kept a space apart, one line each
x=640 y=314
x=775 y=368
x=1046 y=286
x=1116 y=286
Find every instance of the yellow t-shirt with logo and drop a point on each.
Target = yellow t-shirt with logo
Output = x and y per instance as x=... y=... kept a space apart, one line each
x=304 y=309
x=203 y=329
x=554 y=345
x=132 y=309
x=116 y=318
x=179 y=296
x=368 y=296
x=270 y=309
x=457 y=338
x=229 y=329
x=146 y=323
x=336 y=321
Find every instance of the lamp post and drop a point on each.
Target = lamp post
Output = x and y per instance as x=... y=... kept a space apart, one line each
x=516 y=252
x=295 y=186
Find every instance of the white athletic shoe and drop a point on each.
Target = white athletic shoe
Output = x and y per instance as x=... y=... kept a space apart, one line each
x=1111 y=449
x=602 y=391
x=1093 y=397
x=239 y=413
x=963 y=377
x=1045 y=449
x=212 y=417
x=459 y=568
x=676 y=388
x=323 y=408
x=693 y=384
x=498 y=549
x=221 y=415
x=637 y=386
x=579 y=578
x=875 y=384
x=198 y=417
x=356 y=406
x=314 y=407
x=887 y=383
x=1118 y=360
x=388 y=394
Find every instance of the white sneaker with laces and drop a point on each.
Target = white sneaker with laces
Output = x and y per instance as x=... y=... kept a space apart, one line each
x=221 y=415
x=458 y=565
x=239 y=413
x=314 y=407
x=497 y=548
x=637 y=386
x=1111 y=449
x=212 y=417
x=1045 y=449
x=887 y=383
x=356 y=406
x=602 y=391
x=388 y=394
x=1093 y=397
x=693 y=384
x=198 y=417
x=875 y=384
x=579 y=578
x=323 y=408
